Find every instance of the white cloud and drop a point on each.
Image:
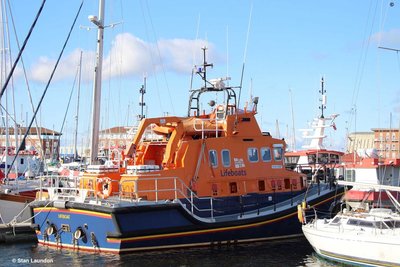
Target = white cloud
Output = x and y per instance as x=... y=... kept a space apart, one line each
x=389 y=38
x=128 y=56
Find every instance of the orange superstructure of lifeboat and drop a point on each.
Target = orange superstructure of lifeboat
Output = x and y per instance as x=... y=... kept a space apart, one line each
x=220 y=154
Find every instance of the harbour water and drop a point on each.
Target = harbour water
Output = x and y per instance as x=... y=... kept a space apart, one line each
x=284 y=253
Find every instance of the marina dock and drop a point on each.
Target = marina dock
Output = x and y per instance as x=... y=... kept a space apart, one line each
x=21 y=232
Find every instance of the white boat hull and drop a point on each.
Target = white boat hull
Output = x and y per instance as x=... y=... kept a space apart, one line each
x=372 y=247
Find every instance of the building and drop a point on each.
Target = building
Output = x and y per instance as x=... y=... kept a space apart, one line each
x=384 y=142
x=360 y=141
x=115 y=138
x=42 y=139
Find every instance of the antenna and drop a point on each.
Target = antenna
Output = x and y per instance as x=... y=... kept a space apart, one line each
x=323 y=98
x=245 y=54
x=142 y=91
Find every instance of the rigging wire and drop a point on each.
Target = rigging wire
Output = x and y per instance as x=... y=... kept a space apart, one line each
x=38 y=129
x=21 y=50
x=160 y=59
x=361 y=65
x=69 y=100
x=48 y=83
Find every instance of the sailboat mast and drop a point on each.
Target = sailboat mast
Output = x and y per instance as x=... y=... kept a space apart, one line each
x=77 y=110
x=99 y=22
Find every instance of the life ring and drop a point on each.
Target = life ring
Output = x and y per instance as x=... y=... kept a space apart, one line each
x=103 y=187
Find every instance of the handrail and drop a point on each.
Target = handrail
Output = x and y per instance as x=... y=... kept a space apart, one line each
x=179 y=188
x=203 y=129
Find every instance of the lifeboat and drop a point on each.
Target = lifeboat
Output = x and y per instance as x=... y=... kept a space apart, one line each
x=210 y=178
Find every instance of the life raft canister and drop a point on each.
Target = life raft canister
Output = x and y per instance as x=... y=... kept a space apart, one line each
x=104 y=187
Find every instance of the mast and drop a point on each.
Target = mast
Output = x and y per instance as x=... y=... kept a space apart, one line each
x=77 y=110
x=3 y=68
x=99 y=22
x=323 y=98
x=142 y=91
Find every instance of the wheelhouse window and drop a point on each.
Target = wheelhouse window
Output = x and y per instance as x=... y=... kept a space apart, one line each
x=226 y=158
x=213 y=156
x=323 y=158
x=278 y=153
x=266 y=154
x=333 y=158
x=252 y=154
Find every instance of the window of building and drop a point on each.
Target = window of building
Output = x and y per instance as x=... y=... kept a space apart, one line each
x=266 y=154
x=212 y=154
x=252 y=154
x=226 y=158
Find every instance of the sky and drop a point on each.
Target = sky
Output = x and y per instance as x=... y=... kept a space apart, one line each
x=283 y=47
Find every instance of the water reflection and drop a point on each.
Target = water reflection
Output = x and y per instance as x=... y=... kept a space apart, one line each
x=274 y=253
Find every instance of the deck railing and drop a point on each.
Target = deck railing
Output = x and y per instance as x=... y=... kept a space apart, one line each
x=180 y=191
x=203 y=129
x=162 y=189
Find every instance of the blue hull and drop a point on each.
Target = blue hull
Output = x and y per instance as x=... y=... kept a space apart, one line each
x=160 y=226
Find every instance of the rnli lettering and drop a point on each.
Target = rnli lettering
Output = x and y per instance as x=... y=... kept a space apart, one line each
x=64 y=216
x=231 y=172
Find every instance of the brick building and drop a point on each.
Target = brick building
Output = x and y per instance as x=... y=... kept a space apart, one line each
x=42 y=139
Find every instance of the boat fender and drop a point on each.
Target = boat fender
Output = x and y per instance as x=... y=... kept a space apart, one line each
x=300 y=214
x=103 y=187
x=50 y=230
x=79 y=233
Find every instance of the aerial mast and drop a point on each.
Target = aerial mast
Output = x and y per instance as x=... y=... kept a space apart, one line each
x=142 y=91
x=323 y=98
